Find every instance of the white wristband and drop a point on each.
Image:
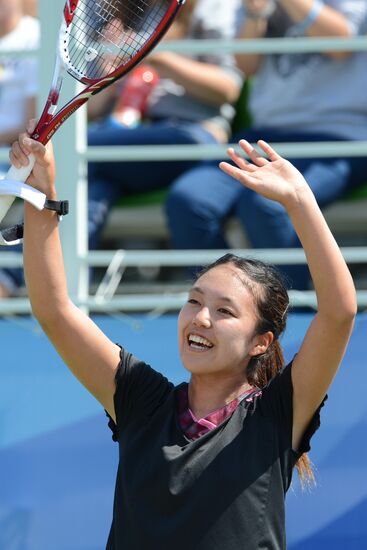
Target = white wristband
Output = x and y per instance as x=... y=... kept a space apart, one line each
x=11 y=188
x=310 y=18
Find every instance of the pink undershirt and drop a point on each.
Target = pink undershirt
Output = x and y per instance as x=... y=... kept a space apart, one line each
x=194 y=427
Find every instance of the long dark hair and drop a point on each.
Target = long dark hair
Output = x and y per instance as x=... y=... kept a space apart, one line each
x=269 y=290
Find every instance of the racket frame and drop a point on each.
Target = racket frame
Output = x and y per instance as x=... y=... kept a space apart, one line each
x=50 y=120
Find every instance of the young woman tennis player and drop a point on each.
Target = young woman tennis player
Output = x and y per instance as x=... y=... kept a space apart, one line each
x=205 y=465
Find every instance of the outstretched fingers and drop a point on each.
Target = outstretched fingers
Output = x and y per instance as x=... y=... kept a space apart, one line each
x=242 y=163
x=254 y=156
x=246 y=178
x=268 y=150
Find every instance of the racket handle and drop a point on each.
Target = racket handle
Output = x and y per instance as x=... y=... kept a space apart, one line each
x=17 y=174
x=21 y=174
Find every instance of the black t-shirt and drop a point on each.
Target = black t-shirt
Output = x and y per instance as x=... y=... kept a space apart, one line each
x=223 y=491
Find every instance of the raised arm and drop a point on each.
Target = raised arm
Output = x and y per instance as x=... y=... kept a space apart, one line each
x=89 y=354
x=208 y=78
x=327 y=337
x=204 y=81
x=257 y=14
x=319 y=19
x=324 y=20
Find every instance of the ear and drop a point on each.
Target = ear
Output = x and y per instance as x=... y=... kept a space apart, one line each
x=261 y=343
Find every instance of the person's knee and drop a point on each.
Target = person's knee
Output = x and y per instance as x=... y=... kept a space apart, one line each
x=254 y=206
x=184 y=196
x=328 y=179
x=178 y=203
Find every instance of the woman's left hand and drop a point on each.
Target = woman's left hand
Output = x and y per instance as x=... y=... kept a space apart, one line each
x=42 y=176
x=273 y=177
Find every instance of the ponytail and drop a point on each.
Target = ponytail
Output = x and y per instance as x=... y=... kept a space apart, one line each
x=263 y=368
x=305 y=471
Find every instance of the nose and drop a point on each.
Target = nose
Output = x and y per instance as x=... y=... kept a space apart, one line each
x=202 y=318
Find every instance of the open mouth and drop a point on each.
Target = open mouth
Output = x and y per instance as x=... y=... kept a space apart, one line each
x=198 y=342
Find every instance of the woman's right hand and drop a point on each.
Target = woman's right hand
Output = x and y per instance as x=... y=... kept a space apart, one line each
x=273 y=177
x=43 y=174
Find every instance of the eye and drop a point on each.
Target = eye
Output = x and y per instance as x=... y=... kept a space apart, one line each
x=226 y=311
x=192 y=301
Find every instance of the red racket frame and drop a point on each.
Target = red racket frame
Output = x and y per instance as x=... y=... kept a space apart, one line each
x=48 y=123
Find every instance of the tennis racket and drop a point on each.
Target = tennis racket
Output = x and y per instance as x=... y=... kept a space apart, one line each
x=99 y=42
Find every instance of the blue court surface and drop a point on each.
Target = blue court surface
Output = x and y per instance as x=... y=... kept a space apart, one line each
x=58 y=462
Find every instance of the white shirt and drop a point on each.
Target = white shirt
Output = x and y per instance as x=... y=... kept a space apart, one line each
x=18 y=77
x=312 y=92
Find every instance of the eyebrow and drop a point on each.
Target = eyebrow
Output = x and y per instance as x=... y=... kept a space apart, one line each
x=222 y=298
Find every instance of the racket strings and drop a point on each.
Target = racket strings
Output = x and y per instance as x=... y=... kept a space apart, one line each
x=105 y=34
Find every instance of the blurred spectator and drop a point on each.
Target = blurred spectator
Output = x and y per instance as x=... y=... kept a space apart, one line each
x=18 y=85
x=191 y=103
x=18 y=77
x=293 y=98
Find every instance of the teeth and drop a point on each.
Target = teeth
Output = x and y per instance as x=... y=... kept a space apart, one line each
x=194 y=338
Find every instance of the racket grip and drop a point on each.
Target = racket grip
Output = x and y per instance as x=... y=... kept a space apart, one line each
x=21 y=174
x=17 y=174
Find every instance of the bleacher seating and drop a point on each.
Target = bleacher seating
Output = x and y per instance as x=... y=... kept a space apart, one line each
x=142 y=217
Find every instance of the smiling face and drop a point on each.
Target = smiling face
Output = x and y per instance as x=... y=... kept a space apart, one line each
x=217 y=324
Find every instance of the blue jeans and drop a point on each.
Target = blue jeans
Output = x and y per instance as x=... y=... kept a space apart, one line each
x=201 y=201
x=110 y=181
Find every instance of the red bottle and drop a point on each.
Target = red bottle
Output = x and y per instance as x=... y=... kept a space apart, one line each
x=133 y=100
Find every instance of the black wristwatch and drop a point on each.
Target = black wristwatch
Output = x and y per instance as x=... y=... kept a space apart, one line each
x=61 y=207
x=15 y=233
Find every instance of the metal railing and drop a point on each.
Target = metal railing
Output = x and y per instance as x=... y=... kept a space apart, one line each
x=168 y=300
x=72 y=155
